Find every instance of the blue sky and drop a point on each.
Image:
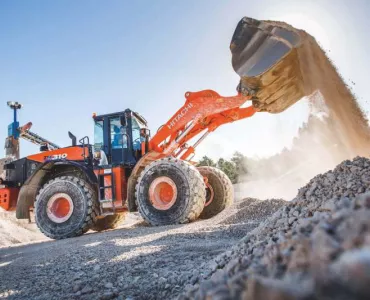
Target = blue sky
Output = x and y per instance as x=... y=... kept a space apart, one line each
x=65 y=60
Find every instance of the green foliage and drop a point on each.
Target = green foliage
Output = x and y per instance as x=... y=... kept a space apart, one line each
x=206 y=162
x=240 y=162
x=229 y=168
x=232 y=168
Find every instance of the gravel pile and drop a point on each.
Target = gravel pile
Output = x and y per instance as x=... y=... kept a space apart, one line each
x=315 y=247
x=251 y=209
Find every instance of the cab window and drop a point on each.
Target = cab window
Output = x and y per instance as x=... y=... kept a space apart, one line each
x=98 y=136
x=136 y=134
x=117 y=134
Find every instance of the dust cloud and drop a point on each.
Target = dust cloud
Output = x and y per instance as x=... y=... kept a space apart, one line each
x=317 y=148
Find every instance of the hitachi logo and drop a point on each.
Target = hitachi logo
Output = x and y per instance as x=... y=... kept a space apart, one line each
x=180 y=115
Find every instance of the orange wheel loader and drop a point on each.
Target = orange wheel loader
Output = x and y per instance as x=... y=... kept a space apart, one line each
x=90 y=186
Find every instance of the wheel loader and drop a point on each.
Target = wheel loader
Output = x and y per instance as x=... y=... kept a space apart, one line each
x=127 y=168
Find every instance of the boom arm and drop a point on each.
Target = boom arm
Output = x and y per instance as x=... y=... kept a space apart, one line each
x=203 y=111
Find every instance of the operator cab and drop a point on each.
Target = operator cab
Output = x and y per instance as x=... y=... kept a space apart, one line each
x=120 y=138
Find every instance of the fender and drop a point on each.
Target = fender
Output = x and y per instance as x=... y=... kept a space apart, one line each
x=29 y=190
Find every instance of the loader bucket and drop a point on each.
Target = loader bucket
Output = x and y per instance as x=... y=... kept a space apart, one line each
x=279 y=64
x=265 y=56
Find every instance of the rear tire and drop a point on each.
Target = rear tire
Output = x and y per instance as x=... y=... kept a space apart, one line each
x=223 y=192
x=65 y=224
x=188 y=197
x=109 y=222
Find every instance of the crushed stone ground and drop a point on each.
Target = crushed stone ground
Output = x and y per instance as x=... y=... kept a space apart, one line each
x=316 y=246
x=133 y=262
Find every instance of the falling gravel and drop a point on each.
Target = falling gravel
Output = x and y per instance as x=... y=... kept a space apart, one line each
x=134 y=262
x=315 y=247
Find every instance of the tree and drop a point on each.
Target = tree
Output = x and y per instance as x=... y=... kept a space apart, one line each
x=206 y=161
x=240 y=163
x=229 y=168
x=232 y=168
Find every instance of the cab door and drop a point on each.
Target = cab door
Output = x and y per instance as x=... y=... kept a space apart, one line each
x=118 y=141
x=113 y=136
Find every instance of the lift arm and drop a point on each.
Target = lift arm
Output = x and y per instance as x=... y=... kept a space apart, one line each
x=203 y=111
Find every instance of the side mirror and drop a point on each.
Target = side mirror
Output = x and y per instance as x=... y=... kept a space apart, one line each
x=122 y=120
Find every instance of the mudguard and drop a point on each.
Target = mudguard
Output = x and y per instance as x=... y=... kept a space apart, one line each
x=29 y=190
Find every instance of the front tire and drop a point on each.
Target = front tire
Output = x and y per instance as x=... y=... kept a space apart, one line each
x=65 y=207
x=220 y=192
x=170 y=191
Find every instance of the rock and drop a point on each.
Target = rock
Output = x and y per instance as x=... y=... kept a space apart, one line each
x=213 y=266
x=136 y=279
x=86 y=290
x=77 y=287
x=108 y=285
x=79 y=275
x=300 y=258
x=291 y=220
x=353 y=268
x=296 y=213
x=107 y=296
x=194 y=280
x=263 y=288
x=96 y=268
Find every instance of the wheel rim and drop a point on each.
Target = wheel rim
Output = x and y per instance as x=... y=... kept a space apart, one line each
x=162 y=193
x=209 y=194
x=59 y=207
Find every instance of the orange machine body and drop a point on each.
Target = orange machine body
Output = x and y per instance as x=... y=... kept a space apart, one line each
x=8 y=198
x=9 y=195
x=74 y=153
x=203 y=111
x=119 y=195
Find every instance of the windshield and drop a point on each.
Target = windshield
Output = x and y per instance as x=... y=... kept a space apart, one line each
x=98 y=135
